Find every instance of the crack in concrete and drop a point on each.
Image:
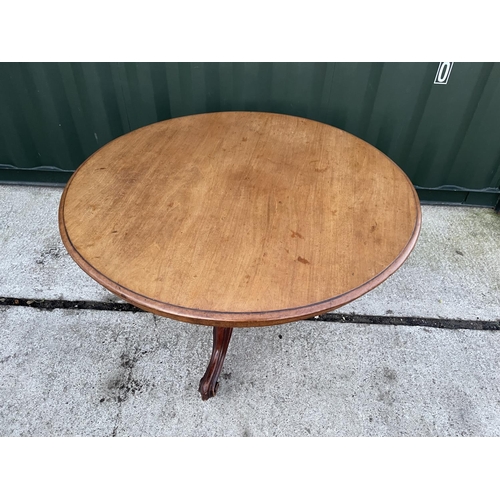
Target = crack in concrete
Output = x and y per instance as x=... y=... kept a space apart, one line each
x=51 y=304
x=450 y=324
x=9 y=357
x=16 y=355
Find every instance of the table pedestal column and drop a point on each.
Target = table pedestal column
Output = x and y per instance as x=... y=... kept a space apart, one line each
x=209 y=382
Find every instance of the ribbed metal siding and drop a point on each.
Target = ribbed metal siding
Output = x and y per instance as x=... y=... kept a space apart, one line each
x=58 y=114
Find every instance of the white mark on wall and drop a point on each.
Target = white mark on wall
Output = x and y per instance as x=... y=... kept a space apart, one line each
x=443 y=73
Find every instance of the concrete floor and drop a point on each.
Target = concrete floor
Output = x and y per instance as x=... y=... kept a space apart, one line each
x=103 y=373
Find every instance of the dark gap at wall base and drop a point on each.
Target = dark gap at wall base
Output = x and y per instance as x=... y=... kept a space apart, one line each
x=431 y=197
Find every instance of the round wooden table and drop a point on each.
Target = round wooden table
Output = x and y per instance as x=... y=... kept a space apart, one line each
x=238 y=219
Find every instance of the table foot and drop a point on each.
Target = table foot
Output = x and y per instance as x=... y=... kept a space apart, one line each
x=209 y=383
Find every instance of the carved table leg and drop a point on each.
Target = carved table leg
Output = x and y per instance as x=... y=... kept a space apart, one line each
x=208 y=384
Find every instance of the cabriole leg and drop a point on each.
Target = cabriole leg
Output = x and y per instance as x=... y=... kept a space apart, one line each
x=209 y=383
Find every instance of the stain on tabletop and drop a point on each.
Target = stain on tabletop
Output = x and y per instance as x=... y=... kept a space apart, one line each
x=296 y=234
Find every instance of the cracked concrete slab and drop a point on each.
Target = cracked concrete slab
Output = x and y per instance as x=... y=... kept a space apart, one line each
x=454 y=271
x=102 y=373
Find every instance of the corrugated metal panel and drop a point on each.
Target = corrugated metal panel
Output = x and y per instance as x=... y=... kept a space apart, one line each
x=58 y=114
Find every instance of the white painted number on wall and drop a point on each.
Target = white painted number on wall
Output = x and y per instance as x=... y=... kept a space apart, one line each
x=443 y=73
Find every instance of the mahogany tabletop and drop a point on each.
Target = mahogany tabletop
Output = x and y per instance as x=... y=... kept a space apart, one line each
x=239 y=218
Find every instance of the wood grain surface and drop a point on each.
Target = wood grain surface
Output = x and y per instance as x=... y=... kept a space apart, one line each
x=239 y=218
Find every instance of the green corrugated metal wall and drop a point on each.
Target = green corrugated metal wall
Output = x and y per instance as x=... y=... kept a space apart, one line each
x=54 y=115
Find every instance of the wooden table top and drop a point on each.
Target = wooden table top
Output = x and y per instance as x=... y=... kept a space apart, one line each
x=239 y=218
